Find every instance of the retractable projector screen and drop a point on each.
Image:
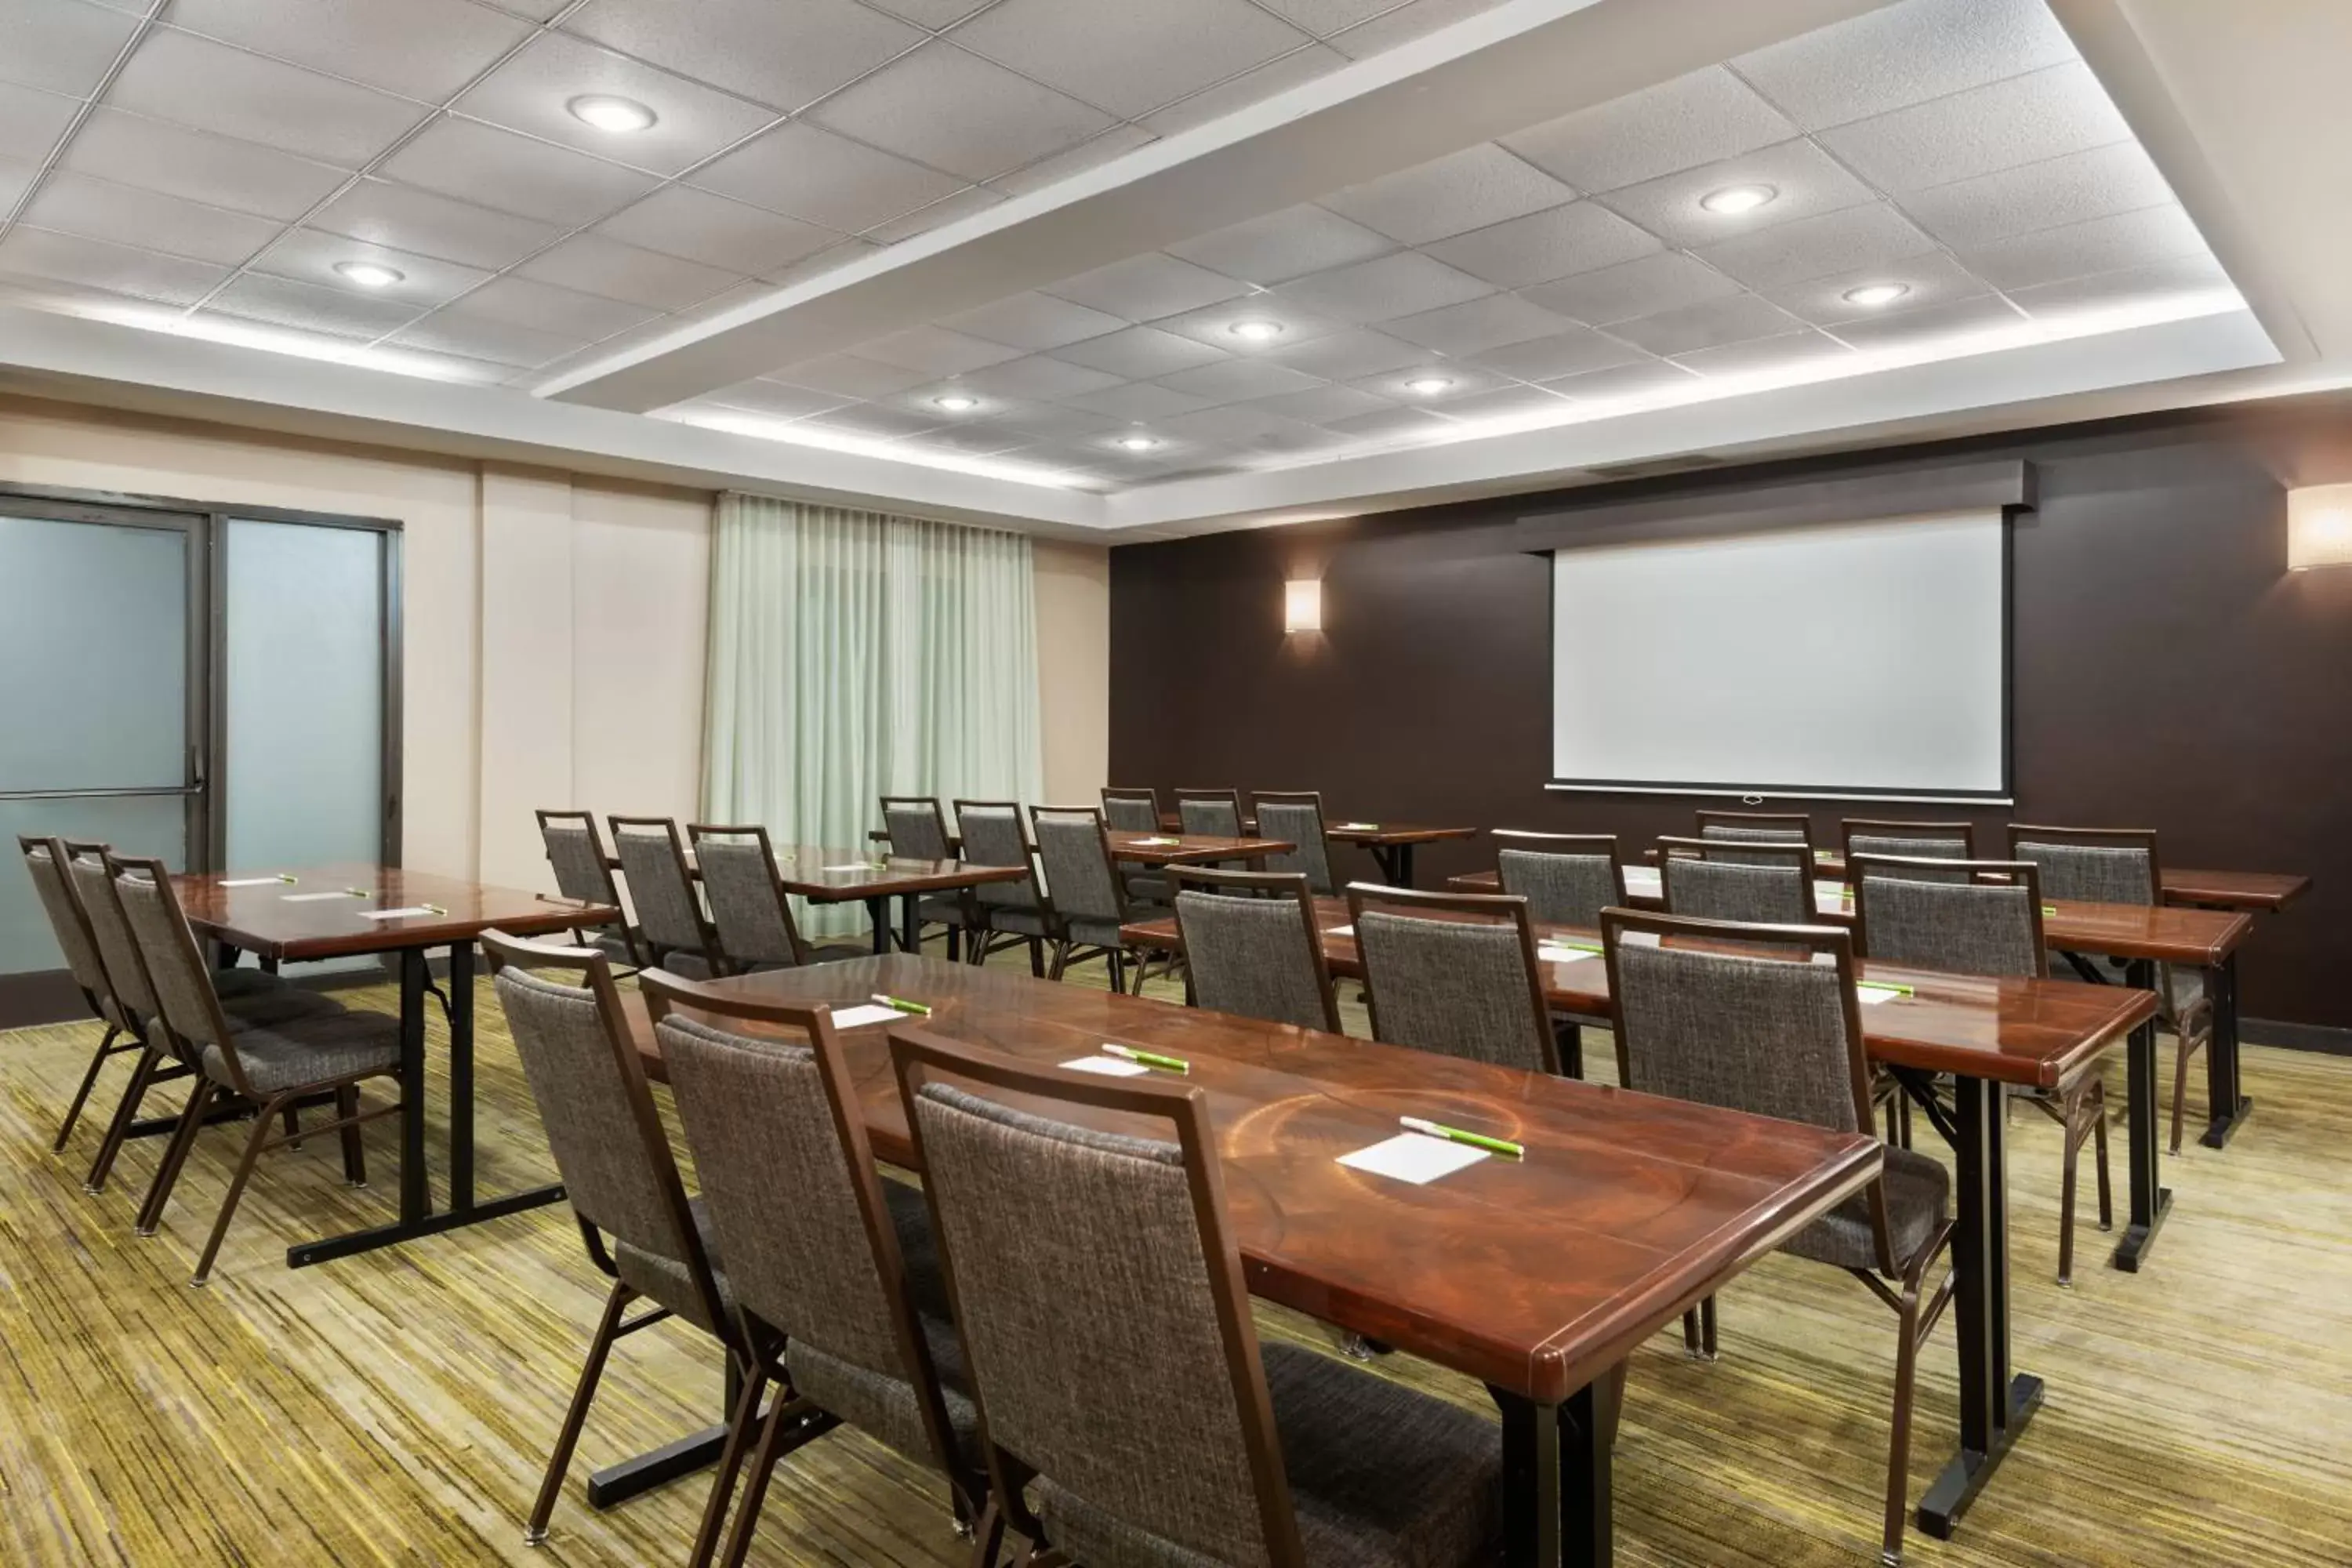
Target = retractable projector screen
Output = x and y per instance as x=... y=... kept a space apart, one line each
x=1856 y=659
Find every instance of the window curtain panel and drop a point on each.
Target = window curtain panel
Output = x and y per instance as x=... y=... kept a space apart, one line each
x=854 y=655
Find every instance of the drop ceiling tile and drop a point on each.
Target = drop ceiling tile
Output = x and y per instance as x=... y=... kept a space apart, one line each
x=1402 y=23
x=310 y=256
x=1147 y=287
x=1038 y=379
x=460 y=330
x=16 y=177
x=1250 y=425
x=532 y=91
x=1511 y=408
x=31 y=120
x=1470 y=189
x=499 y=169
x=1702 y=118
x=979 y=439
x=1478 y=325
x=240 y=175
x=1233 y=380
x=935 y=15
x=773 y=399
x=116 y=269
x=682 y=221
x=406 y=218
x=1382 y=289
x=1350 y=354
x=2104 y=180
x=2103 y=290
x=547 y=308
x=1061 y=421
x=1322 y=16
x=1321 y=405
x=1280 y=75
x=957 y=112
x=60 y=46
x=870 y=422
x=1139 y=354
x=1871 y=234
x=850 y=377
x=339 y=312
x=1732 y=319
x=1142 y=400
x=423 y=50
x=1766 y=356
x=924 y=400
x=99 y=209
x=1578 y=237
x=1115 y=143
x=1215 y=325
x=935 y=350
x=1284 y=245
x=1807 y=181
x=2048 y=114
x=1932 y=277
x=1665 y=281
x=1930 y=324
x=1461 y=381
x=178 y=76
x=1653 y=379
x=786 y=56
x=597 y=264
x=1398 y=427
x=808 y=173
x=1035 y=321
x=2102 y=245
x=1571 y=353
x=830 y=260
x=946 y=210
x=1128 y=56
x=1896 y=55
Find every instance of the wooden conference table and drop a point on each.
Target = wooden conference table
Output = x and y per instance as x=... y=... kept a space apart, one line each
x=1538 y=1277
x=319 y=915
x=1390 y=844
x=830 y=875
x=1986 y=1033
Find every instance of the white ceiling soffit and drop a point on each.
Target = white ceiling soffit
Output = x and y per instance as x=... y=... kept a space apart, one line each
x=1522 y=64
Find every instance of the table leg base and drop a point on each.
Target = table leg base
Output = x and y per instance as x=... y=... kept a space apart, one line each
x=359 y=1241
x=616 y=1484
x=2221 y=1129
x=1968 y=1472
x=2133 y=1249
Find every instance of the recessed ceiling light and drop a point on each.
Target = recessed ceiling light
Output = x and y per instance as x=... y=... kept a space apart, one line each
x=1426 y=385
x=1734 y=199
x=369 y=274
x=1876 y=293
x=957 y=401
x=1257 y=330
x=1138 y=442
x=618 y=115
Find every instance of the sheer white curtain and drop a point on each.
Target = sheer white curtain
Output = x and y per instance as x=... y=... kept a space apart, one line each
x=854 y=655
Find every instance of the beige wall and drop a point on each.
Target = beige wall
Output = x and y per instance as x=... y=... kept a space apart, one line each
x=1073 y=592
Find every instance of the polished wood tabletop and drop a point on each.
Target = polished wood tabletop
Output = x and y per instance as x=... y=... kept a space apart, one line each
x=2040 y=1033
x=827 y=875
x=2264 y=891
x=1535 y=1276
x=1354 y=830
x=1190 y=849
x=323 y=912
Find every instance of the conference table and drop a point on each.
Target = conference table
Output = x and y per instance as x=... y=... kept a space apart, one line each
x=1390 y=844
x=1169 y=848
x=340 y=911
x=832 y=876
x=1538 y=1277
x=1987 y=1034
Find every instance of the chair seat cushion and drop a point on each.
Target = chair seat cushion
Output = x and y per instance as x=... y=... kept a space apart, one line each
x=1918 y=1189
x=940 y=912
x=1106 y=933
x=1019 y=921
x=612 y=945
x=262 y=1009
x=665 y=1280
x=838 y=952
x=299 y=1051
x=691 y=965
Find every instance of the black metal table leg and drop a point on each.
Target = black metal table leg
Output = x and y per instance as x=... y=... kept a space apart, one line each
x=460 y=1009
x=2150 y=1201
x=1531 y=1475
x=1403 y=872
x=616 y=1484
x=910 y=926
x=1995 y=1402
x=416 y=1180
x=1557 y=1491
x=2227 y=1106
x=878 y=911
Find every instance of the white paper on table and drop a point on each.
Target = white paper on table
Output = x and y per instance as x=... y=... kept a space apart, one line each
x=253 y=881
x=1871 y=995
x=398 y=914
x=1563 y=955
x=1413 y=1157
x=859 y=866
x=1644 y=882
x=866 y=1013
x=1109 y=1067
x=1340 y=931
x=1153 y=843
x=312 y=898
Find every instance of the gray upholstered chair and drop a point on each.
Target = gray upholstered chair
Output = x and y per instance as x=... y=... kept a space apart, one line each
x=1768 y=1022
x=1252 y=946
x=576 y=850
x=1212 y=813
x=44 y=864
x=993 y=836
x=1454 y=974
x=1757 y=828
x=638 y=1226
x=669 y=917
x=1087 y=900
x=1136 y=811
x=1296 y=817
x=1102 y=1306
x=2118 y=866
x=1566 y=879
x=323 y=1051
x=1907 y=840
x=917 y=830
x=832 y=1266
x=1982 y=917
x=749 y=915
x=1765 y=884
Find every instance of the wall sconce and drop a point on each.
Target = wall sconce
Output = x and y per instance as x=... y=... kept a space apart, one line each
x=1302 y=604
x=2319 y=527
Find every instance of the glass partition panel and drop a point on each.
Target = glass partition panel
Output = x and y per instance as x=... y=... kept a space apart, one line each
x=133 y=824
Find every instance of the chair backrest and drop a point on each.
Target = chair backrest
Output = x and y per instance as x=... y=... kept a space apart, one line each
x=788 y=1178
x=1074 y=848
x=590 y=1086
x=1566 y=879
x=1769 y=884
x=1977 y=917
x=1104 y=1316
x=184 y=998
x=1296 y=817
x=45 y=863
x=1131 y=810
x=1757 y=828
x=1251 y=945
x=993 y=836
x=118 y=950
x=1764 y=1021
x=1454 y=974
x=576 y=849
x=2094 y=864
x=1909 y=840
x=1212 y=813
x=918 y=829
x=661 y=889
x=748 y=912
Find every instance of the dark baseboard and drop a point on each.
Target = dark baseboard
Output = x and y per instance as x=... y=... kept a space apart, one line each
x=42 y=997
x=2322 y=1037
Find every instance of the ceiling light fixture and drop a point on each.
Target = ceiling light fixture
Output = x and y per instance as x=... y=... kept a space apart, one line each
x=1138 y=442
x=1428 y=386
x=1257 y=330
x=369 y=274
x=1735 y=199
x=1876 y=293
x=620 y=116
x=957 y=402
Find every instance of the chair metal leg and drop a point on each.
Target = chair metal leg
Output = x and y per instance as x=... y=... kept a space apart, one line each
x=347 y=1107
x=253 y=1146
x=2099 y=1147
x=731 y=1466
x=988 y=1536
x=175 y=1154
x=1691 y=1334
x=1899 y=1442
x=534 y=1533
x=755 y=1488
x=126 y=1111
x=1037 y=957
x=1118 y=962
x=2066 y=1184
x=1061 y=960
x=2182 y=1050
x=293 y=1128
x=97 y=1059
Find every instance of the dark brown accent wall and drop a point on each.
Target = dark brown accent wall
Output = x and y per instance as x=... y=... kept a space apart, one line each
x=2171 y=672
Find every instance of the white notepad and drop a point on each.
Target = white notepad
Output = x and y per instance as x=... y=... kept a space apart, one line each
x=858 y=865
x=1153 y=843
x=1563 y=955
x=866 y=1013
x=253 y=881
x=1412 y=1157
x=1872 y=995
x=397 y=914
x=1109 y=1067
x=1340 y=931
x=312 y=898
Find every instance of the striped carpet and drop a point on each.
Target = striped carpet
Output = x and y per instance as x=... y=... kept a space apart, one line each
x=396 y=1408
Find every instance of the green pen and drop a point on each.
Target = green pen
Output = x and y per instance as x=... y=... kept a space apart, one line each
x=1148 y=1058
x=1572 y=946
x=359 y=892
x=436 y=909
x=2049 y=909
x=1886 y=985
x=287 y=878
x=1503 y=1146
x=900 y=1003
